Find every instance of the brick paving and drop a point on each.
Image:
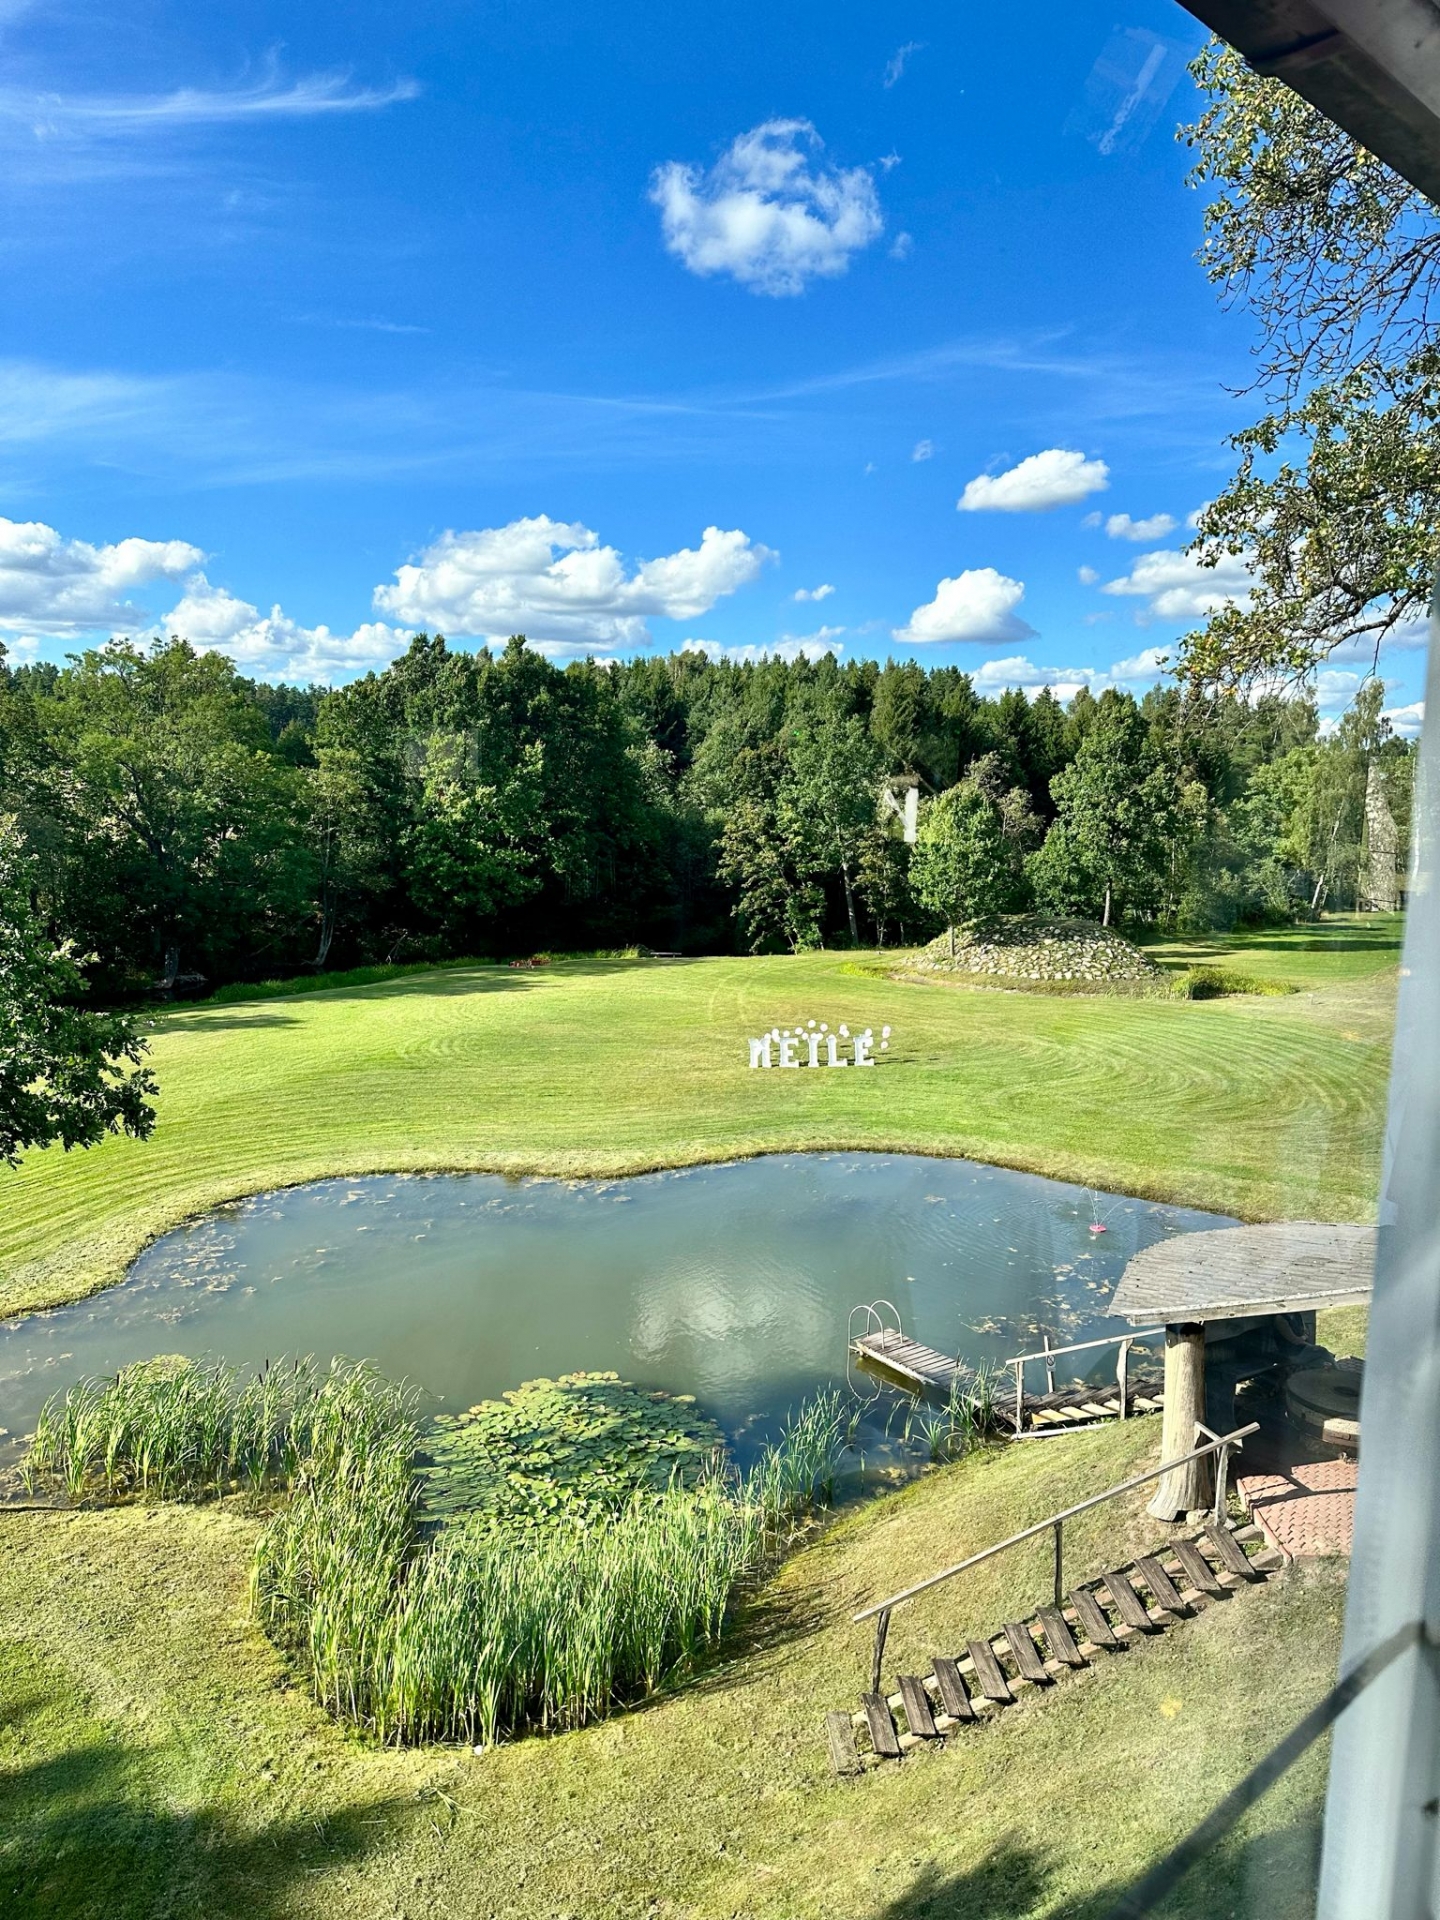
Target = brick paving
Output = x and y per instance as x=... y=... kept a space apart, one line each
x=1307 y=1510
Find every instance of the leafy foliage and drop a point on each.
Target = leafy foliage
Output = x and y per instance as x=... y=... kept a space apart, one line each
x=67 y=1074
x=581 y=1446
x=1334 y=503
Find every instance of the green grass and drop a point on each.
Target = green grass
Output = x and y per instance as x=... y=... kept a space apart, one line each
x=154 y=1759
x=1267 y=1107
x=1341 y=947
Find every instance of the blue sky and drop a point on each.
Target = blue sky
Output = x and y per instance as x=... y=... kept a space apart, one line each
x=877 y=329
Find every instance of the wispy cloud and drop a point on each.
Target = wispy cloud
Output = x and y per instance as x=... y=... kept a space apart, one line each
x=896 y=64
x=360 y=324
x=271 y=97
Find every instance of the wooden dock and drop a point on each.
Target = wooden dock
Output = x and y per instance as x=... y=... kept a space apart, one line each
x=922 y=1370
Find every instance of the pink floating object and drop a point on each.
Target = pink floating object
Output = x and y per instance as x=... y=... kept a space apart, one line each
x=1097 y=1228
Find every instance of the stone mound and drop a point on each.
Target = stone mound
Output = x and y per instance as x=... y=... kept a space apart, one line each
x=1032 y=947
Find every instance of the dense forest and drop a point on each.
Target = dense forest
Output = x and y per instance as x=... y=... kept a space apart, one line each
x=187 y=826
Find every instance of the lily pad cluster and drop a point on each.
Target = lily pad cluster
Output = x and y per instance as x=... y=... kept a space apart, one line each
x=576 y=1448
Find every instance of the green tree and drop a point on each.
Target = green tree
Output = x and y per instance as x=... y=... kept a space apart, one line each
x=963 y=867
x=828 y=799
x=1116 y=820
x=1335 y=502
x=67 y=1074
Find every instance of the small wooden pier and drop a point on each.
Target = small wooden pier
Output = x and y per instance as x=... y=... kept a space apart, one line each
x=886 y=1349
x=921 y=1368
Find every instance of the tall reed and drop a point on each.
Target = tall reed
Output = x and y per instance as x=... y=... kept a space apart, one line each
x=467 y=1633
x=176 y=1428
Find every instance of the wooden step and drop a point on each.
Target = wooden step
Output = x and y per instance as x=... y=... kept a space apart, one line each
x=1093 y=1622
x=1229 y=1552
x=1027 y=1654
x=1159 y=1583
x=989 y=1673
x=1195 y=1568
x=917 y=1707
x=1059 y=1638
x=840 y=1739
x=953 y=1695
x=1128 y=1604
x=882 y=1727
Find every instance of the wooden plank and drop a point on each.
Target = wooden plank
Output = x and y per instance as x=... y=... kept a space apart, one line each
x=917 y=1707
x=1093 y=1622
x=953 y=1696
x=840 y=1739
x=1128 y=1604
x=1159 y=1583
x=1027 y=1654
x=1230 y=1552
x=989 y=1672
x=1198 y=1570
x=1059 y=1638
x=882 y=1727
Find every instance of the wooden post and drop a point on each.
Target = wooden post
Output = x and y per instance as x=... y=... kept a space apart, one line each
x=882 y=1628
x=1059 y=1564
x=1049 y=1366
x=1188 y=1488
x=1122 y=1376
x=1019 y=1366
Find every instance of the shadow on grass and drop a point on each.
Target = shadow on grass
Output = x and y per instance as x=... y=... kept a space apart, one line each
x=87 y=1835
x=1266 y=1876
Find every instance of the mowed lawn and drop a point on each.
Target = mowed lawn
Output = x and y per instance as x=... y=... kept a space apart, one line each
x=154 y=1761
x=1266 y=1107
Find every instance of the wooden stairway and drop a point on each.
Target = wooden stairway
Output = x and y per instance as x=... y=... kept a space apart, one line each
x=1148 y=1595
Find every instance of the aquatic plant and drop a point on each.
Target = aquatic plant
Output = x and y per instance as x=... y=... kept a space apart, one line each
x=581 y=1445
x=174 y=1428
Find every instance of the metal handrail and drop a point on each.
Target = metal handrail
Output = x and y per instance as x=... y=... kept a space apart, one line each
x=881 y=1611
x=1049 y=1354
x=1083 y=1346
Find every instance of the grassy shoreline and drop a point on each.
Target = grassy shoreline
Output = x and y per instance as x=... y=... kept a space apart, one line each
x=1265 y=1108
x=156 y=1757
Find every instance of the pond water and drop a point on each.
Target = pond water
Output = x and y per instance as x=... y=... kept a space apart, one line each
x=730 y=1282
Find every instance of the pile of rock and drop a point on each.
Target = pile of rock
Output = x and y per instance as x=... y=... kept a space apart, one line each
x=1032 y=947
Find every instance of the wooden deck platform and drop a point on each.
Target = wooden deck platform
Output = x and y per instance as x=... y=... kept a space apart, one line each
x=923 y=1370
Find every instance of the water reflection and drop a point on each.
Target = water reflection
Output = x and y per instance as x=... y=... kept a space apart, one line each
x=731 y=1282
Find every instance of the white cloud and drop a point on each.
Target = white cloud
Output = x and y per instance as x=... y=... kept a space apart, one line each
x=553 y=581
x=1177 y=587
x=791 y=646
x=1087 y=576
x=1403 y=639
x=978 y=604
x=1017 y=670
x=1121 y=527
x=1407 y=721
x=1335 y=689
x=895 y=65
x=212 y=619
x=902 y=246
x=924 y=450
x=822 y=592
x=61 y=588
x=48 y=115
x=764 y=213
x=1057 y=477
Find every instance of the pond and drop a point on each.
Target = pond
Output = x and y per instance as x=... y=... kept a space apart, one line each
x=730 y=1282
